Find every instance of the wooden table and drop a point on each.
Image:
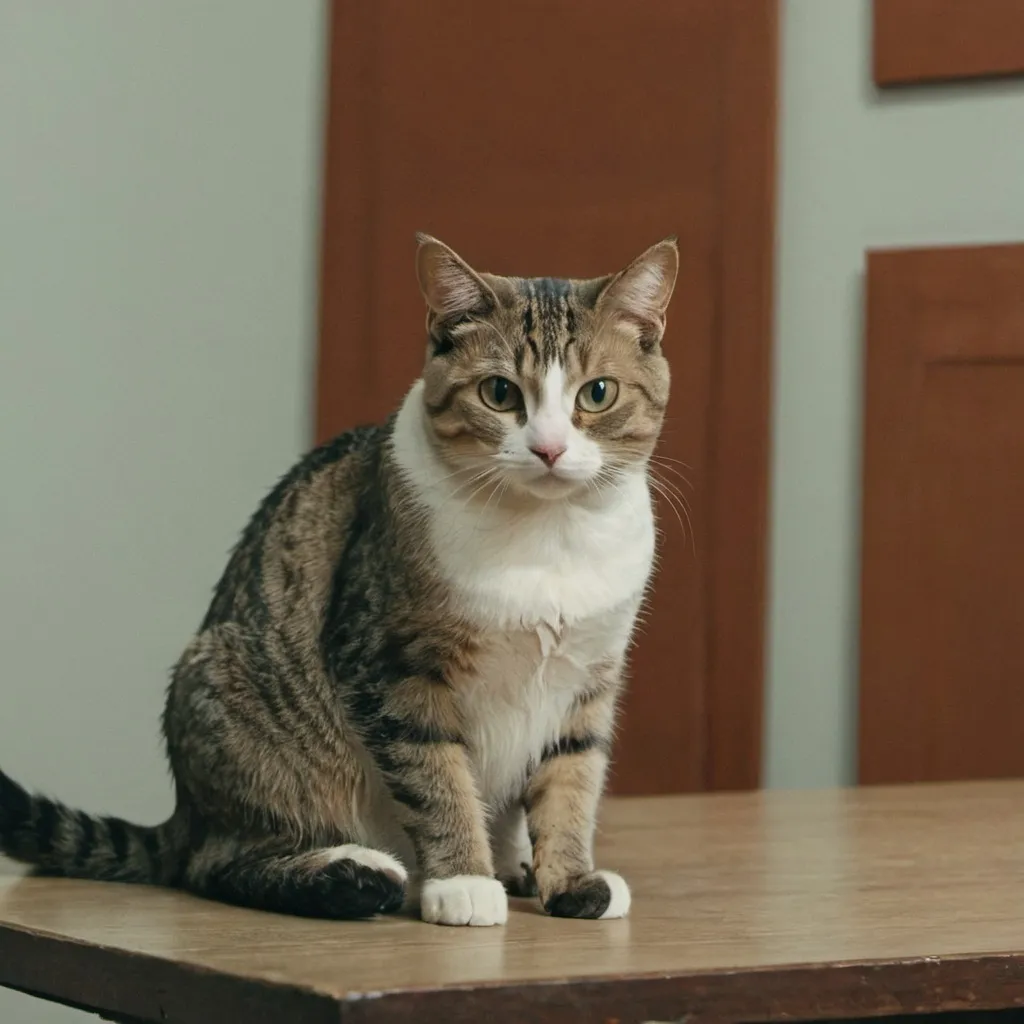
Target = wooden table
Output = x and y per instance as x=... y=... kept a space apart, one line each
x=753 y=907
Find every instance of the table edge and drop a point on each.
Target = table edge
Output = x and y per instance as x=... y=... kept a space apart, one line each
x=146 y=987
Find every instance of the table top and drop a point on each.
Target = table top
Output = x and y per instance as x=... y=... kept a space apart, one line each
x=746 y=906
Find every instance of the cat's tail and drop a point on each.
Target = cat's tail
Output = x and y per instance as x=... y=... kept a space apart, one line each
x=72 y=844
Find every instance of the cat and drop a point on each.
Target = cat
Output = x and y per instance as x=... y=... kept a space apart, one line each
x=413 y=658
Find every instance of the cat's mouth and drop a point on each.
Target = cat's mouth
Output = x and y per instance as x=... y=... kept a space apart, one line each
x=533 y=480
x=552 y=483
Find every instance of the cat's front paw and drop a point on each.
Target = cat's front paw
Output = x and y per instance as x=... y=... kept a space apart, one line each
x=599 y=894
x=465 y=899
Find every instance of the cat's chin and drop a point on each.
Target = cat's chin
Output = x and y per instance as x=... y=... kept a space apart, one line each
x=551 y=487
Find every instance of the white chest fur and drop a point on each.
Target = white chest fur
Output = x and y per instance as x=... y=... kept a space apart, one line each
x=523 y=685
x=554 y=590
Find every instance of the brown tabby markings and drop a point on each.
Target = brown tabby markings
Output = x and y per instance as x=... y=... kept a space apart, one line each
x=325 y=678
x=585 y=340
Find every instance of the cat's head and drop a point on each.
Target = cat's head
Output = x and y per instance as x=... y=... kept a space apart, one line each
x=552 y=385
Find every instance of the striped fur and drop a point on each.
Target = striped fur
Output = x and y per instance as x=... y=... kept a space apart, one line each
x=414 y=655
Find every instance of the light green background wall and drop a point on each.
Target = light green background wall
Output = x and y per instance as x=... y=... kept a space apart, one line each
x=159 y=177
x=159 y=167
x=857 y=171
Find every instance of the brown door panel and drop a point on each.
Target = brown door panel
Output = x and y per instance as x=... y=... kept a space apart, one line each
x=550 y=137
x=942 y=641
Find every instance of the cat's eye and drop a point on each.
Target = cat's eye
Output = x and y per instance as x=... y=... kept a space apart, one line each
x=597 y=395
x=500 y=394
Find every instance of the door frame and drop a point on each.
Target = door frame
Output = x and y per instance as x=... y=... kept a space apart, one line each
x=738 y=478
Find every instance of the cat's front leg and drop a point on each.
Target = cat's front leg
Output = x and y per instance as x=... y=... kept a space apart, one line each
x=416 y=741
x=562 y=801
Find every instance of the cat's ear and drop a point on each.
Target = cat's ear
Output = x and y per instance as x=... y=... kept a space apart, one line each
x=642 y=291
x=449 y=284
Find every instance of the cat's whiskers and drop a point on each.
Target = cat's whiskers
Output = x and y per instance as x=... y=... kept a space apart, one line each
x=664 y=462
x=487 y=479
x=498 y=485
x=670 y=485
x=481 y=476
x=678 y=462
x=658 y=489
x=677 y=502
x=658 y=460
x=611 y=476
x=479 y=480
x=672 y=495
x=460 y=471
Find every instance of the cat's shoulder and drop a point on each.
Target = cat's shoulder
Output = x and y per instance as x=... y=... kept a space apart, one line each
x=323 y=486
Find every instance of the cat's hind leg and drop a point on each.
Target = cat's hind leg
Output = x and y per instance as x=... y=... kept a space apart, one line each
x=337 y=882
x=513 y=852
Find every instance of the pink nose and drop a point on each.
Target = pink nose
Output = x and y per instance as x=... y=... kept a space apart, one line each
x=549 y=454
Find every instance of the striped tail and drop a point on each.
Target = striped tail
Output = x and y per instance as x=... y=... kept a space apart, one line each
x=59 y=841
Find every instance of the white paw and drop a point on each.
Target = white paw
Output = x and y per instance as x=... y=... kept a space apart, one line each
x=620 y=901
x=465 y=899
x=376 y=860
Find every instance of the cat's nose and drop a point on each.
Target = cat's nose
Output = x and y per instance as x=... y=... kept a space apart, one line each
x=549 y=454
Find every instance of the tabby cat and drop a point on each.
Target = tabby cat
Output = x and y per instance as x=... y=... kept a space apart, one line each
x=416 y=650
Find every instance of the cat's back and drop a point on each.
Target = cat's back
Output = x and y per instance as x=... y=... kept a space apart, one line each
x=285 y=557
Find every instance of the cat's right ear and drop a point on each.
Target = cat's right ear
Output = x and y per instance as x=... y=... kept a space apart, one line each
x=450 y=285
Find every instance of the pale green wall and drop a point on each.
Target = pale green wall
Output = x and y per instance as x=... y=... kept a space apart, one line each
x=159 y=177
x=857 y=171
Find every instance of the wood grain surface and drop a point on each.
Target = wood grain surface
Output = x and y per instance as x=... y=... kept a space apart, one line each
x=748 y=907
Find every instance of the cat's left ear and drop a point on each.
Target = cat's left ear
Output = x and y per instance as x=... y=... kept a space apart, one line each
x=449 y=284
x=642 y=291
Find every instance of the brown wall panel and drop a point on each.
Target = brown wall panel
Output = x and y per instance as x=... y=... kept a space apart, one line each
x=934 y=40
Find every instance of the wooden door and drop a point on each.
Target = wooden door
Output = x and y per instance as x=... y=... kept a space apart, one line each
x=558 y=137
x=942 y=645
